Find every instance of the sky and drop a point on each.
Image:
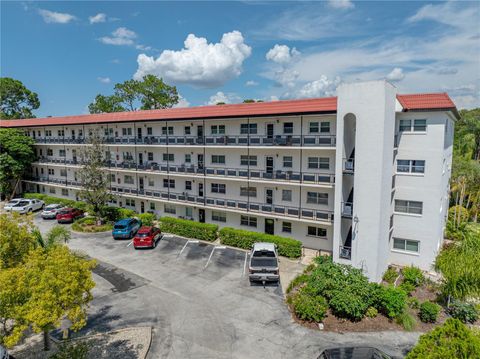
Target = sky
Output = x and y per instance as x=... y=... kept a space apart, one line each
x=68 y=52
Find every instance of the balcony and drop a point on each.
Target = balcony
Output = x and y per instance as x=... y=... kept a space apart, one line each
x=348 y=165
x=230 y=140
x=345 y=252
x=347 y=209
x=246 y=205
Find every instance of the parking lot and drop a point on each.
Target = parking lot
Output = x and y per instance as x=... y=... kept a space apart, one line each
x=199 y=302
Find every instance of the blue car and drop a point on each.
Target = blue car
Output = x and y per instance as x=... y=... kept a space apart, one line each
x=126 y=228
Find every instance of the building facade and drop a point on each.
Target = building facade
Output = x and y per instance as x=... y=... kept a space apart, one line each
x=363 y=176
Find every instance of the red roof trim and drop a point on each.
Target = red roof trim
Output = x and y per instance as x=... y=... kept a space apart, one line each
x=416 y=102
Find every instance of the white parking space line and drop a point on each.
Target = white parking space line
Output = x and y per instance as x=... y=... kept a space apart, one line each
x=211 y=254
x=129 y=244
x=245 y=264
x=185 y=246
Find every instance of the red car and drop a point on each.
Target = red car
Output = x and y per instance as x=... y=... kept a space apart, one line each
x=147 y=237
x=68 y=215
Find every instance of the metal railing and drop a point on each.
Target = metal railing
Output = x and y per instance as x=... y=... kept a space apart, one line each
x=226 y=140
x=244 y=205
x=345 y=252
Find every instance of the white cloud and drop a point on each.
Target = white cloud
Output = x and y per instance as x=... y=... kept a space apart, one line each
x=121 y=36
x=251 y=83
x=104 y=80
x=52 y=17
x=199 y=63
x=182 y=102
x=100 y=17
x=115 y=61
x=341 y=4
x=319 y=88
x=396 y=75
x=143 y=47
x=222 y=97
x=281 y=54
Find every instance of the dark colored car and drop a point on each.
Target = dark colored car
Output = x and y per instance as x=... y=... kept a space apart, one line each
x=147 y=237
x=68 y=215
x=126 y=228
x=353 y=353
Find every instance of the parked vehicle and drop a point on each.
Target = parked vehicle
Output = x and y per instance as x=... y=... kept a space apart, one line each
x=8 y=206
x=28 y=206
x=126 y=228
x=51 y=211
x=69 y=215
x=4 y=353
x=147 y=236
x=353 y=353
x=263 y=265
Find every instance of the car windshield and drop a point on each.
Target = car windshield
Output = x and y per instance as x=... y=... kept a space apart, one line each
x=52 y=206
x=21 y=204
x=15 y=201
x=143 y=235
x=120 y=226
x=65 y=211
x=263 y=262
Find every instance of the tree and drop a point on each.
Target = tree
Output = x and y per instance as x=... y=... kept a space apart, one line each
x=16 y=239
x=93 y=178
x=16 y=156
x=54 y=236
x=450 y=340
x=150 y=93
x=16 y=100
x=467 y=134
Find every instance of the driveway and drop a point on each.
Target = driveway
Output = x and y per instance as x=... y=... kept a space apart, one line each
x=200 y=304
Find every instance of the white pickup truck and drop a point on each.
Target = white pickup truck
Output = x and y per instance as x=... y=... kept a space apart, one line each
x=263 y=265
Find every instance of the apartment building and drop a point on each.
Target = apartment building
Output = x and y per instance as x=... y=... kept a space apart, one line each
x=363 y=176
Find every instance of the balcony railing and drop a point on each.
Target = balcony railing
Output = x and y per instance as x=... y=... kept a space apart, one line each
x=347 y=209
x=227 y=140
x=248 y=206
x=345 y=252
x=277 y=175
x=348 y=165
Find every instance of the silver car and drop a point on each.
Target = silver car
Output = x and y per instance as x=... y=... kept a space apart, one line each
x=264 y=263
x=28 y=206
x=50 y=211
x=8 y=206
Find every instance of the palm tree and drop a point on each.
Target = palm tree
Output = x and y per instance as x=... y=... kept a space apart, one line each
x=53 y=237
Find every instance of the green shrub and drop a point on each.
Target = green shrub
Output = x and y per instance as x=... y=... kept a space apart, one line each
x=297 y=281
x=309 y=307
x=460 y=211
x=88 y=225
x=413 y=275
x=125 y=213
x=406 y=320
x=466 y=312
x=453 y=339
x=429 y=312
x=189 y=229
x=240 y=238
x=390 y=301
x=71 y=350
x=348 y=304
x=413 y=303
x=147 y=218
x=407 y=287
x=390 y=275
x=372 y=312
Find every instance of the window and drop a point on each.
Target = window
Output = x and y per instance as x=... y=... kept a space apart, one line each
x=217 y=129
x=319 y=127
x=188 y=212
x=314 y=127
x=64 y=191
x=286 y=195
x=149 y=133
x=128 y=179
x=412 y=207
x=168 y=157
x=288 y=127
x=188 y=185
x=325 y=127
x=48 y=133
x=218 y=188
x=418 y=125
x=219 y=216
x=410 y=166
x=49 y=152
x=406 y=245
x=188 y=158
x=152 y=206
x=317 y=198
x=248 y=160
x=111 y=177
x=167 y=130
x=170 y=208
x=63 y=172
x=130 y=202
x=150 y=156
x=168 y=183
x=52 y=190
x=41 y=170
x=61 y=153
x=126 y=131
x=127 y=156
x=288 y=161
x=248 y=191
x=245 y=126
x=187 y=130
x=248 y=221
x=287 y=227
x=317 y=232
x=218 y=159
x=61 y=133
x=51 y=171
x=319 y=163
x=151 y=182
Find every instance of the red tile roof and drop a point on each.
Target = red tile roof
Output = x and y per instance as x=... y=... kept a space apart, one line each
x=436 y=101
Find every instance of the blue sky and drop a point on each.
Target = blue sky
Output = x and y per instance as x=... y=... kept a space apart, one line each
x=68 y=52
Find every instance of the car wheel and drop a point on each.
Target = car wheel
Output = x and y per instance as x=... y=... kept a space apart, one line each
x=43 y=206
x=131 y=234
x=30 y=210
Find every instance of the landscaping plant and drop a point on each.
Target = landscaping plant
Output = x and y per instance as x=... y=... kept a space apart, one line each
x=466 y=312
x=390 y=275
x=429 y=312
x=147 y=219
x=308 y=306
x=406 y=320
x=390 y=301
x=413 y=275
x=372 y=312
x=189 y=229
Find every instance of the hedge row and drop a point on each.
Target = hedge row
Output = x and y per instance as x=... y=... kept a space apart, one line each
x=240 y=238
x=189 y=229
x=50 y=200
